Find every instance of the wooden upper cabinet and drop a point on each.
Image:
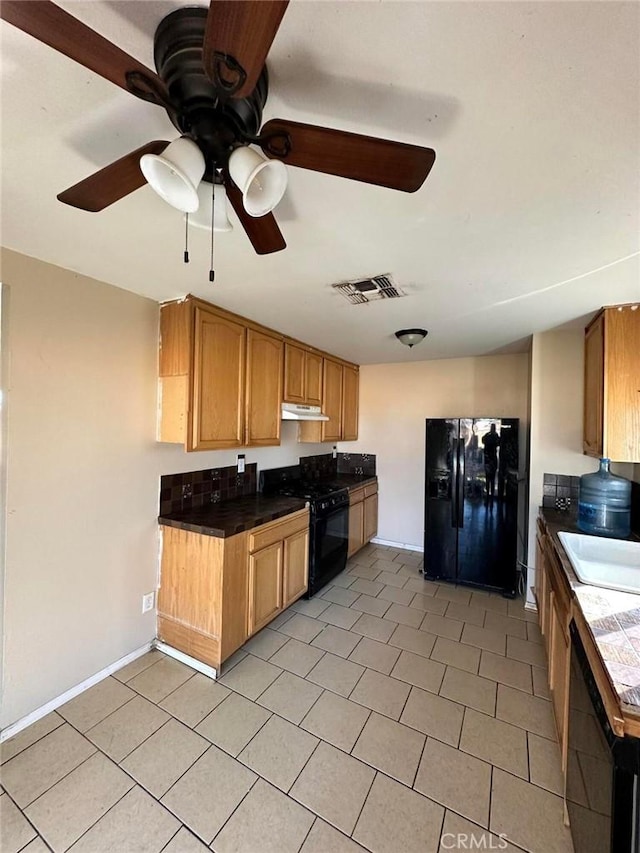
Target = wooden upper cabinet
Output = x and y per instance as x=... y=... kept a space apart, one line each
x=594 y=387
x=218 y=382
x=331 y=430
x=302 y=376
x=340 y=387
x=294 y=374
x=222 y=380
x=313 y=378
x=350 y=385
x=264 y=388
x=612 y=385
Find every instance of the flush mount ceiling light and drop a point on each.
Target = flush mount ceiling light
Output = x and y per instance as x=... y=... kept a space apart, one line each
x=175 y=174
x=411 y=337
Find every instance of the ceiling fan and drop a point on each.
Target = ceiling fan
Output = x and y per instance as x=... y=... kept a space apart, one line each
x=212 y=81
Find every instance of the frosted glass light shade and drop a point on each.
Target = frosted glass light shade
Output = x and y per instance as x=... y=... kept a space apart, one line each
x=202 y=217
x=176 y=173
x=411 y=337
x=262 y=182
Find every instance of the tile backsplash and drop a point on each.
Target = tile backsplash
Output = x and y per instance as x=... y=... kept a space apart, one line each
x=213 y=485
x=324 y=466
x=560 y=491
x=357 y=463
x=194 y=489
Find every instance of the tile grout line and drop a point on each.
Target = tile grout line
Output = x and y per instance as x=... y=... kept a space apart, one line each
x=172 y=837
x=25 y=816
x=130 y=775
x=37 y=740
x=234 y=810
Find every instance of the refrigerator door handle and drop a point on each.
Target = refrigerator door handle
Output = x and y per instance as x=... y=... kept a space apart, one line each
x=454 y=485
x=460 y=484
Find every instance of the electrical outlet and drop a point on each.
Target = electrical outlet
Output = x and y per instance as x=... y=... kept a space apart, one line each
x=240 y=463
x=148 y=601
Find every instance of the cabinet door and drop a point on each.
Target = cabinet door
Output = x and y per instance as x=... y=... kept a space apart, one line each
x=296 y=566
x=370 y=517
x=294 y=374
x=539 y=578
x=559 y=662
x=265 y=586
x=350 y=383
x=594 y=388
x=264 y=389
x=622 y=384
x=313 y=379
x=332 y=400
x=217 y=417
x=356 y=527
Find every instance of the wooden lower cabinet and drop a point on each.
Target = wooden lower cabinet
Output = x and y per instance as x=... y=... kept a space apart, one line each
x=370 y=517
x=356 y=522
x=278 y=567
x=554 y=615
x=559 y=662
x=265 y=586
x=214 y=593
x=295 y=568
x=363 y=516
x=202 y=600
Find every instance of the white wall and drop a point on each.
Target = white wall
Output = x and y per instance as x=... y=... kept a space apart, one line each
x=83 y=478
x=396 y=399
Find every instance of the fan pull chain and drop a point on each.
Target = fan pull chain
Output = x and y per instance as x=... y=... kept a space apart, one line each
x=186 y=238
x=212 y=274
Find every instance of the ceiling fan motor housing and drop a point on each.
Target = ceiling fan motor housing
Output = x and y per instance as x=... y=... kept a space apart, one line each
x=216 y=123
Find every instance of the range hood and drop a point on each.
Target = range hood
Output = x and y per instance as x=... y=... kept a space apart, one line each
x=300 y=412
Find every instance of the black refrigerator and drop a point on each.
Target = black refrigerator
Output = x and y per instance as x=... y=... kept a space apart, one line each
x=471 y=502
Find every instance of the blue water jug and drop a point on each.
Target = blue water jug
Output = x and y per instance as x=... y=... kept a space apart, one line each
x=604 y=504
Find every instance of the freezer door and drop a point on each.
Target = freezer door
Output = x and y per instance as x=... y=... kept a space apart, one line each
x=487 y=529
x=441 y=517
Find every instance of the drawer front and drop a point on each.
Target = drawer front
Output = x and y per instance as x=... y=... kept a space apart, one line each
x=370 y=489
x=276 y=531
x=356 y=496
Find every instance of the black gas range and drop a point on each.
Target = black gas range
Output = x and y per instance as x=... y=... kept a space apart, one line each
x=328 y=519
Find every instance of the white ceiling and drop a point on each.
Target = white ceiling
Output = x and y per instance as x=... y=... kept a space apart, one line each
x=530 y=217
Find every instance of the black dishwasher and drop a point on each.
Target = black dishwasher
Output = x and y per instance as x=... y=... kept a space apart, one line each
x=601 y=789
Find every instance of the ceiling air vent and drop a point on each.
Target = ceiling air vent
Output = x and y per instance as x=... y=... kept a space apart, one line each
x=369 y=289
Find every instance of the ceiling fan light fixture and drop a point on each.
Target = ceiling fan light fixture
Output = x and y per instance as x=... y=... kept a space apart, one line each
x=411 y=337
x=202 y=217
x=262 y=182
x=176 y=173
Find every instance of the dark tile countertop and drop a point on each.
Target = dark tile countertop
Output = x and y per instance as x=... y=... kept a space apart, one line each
x=613 y=618
x=233 y=516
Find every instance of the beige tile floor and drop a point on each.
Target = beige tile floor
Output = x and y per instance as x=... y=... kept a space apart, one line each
x=387 y=714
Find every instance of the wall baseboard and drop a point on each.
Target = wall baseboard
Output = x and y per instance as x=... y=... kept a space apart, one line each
x=70 y=694
x=186 y=659
x=402 y=545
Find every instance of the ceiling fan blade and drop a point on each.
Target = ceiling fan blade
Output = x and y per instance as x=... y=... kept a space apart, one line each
x=237 y=40
x=349 y=155
x=53 y=26
x=111 y=183
x=263 y=231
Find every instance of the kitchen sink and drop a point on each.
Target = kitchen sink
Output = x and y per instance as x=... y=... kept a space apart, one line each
x=599 y=561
